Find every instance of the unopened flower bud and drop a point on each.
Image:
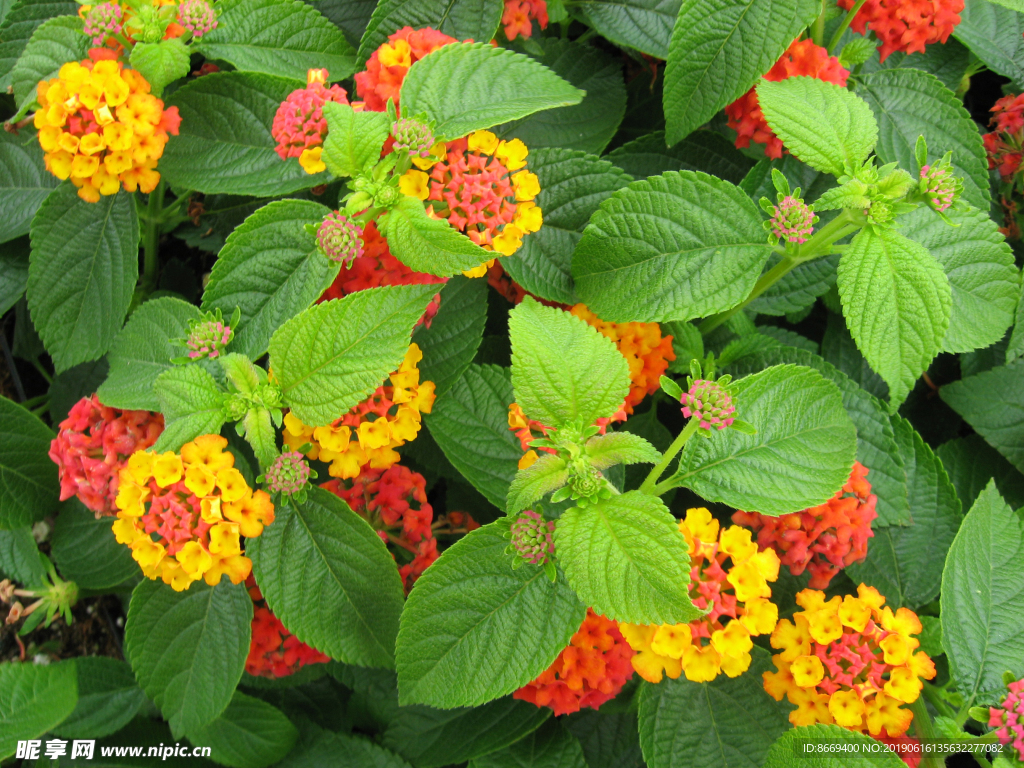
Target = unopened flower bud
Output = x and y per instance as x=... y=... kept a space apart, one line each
x=710 y=403
x=208 y=338
x=15 y=613
x=197 y=16
x=531 y=537
x=288 y=474
x=102 y=21
x=939 y=186
x=792 y=220
x=339 y=238
x=412 y=135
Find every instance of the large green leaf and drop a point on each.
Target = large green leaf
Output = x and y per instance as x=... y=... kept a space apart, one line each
x=13 y=272
x=425 y=244
x=474 y=629
x=909 y=103
x=839 y=348
x=82 y=272
x=726 y=723
x=645 y=25
x=327 y=749
x=971 y=463
x=1015 y=348
x=609 y=739
x=993 y=403
x=188 y=649
x=225 y=143
x=801 y=455
x=550 y=746
x=329 y=578
x=28 y=479
x=277 y=37
x=450 y=343
x=108 y=697
x=24 y=184
x=551 y=392
x=20 y=558
x=844 y=749
x=250 y=733
x=995 y=35
x=797 y=290
x=495 y=85
x=718 y=51
x=671 y=247
x=85 y=550
x=18 y=25
x=982 y=602
x=53 y=43
x=33 y=699
x=192 y=403
x=271 y=269
x=626 y=558
x=331 y=356
x=897 y=302
x=704 y=151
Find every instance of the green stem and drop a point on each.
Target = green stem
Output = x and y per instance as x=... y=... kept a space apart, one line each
x=42 y=371
x=41 y=409
x=932 y=694
x=32 y=402
x=925 y=732
x=151 y=243
x=818 y=28
x=766 y=281
x=666 y=459
x=845 y=25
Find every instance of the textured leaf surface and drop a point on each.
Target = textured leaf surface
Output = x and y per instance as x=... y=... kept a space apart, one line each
x=108 y=697
x=550 y=746
x=1015 y=348
x=609 y=740
x=55 y=42
x=329 y=578
x=993 y=403
x=839 y=348
x=18 y=25
x=161 y=63
x=642 y=24
x=28 y=479
x=192 y=404
x=24 y=184
x=20 y=558
x=33 y=699
x=250 y=733
x=971 y=463
x=995 y=35
x=85 y=550
x=324 y=749
x=781 y=754
x=798 y=289
x=82 y=272
x=13 y=271
x=453 y=338
x=429 y=245
x=548 y=473
x=354 y=139
x=671 y=247
x=700 y=151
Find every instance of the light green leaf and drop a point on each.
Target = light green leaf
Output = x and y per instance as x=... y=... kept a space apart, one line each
x=332 y=355
x=550 y=746
x=354 y=139
x=1016 y=5
x=108 y=698
x=862 y=751
x=897 y=302
x=995 y=35
x=718 y=51
x=53 y=43
x=82 y=272
x=261 y=435
x=429 y=245
x=192 y=404
x=328 y=577
x=250 y=733
x=188 y=649
x=626 y=558
x=982 y=605
x=24 y=185
x=993 y=403
x=271 y=270
x=548 y=473
x=704 y=151
x=453 y=338
x=823 y=124
x=33 y=699
x=23 y=18
x=971 y=463
x=85 y=551
x=614 y=448
x=495 y=85
x=20 y=558
x=161 y=63
x=28 y=479
x=801 y=455
x=645 y=25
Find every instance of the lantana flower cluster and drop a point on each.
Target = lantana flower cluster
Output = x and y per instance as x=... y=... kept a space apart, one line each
x=100 y=126
x=737 y=598
x=369 y=433
x=1004 y=144
x=906 y=25
x=518 y=16
x=1008 y=718
x=92 y=445
x=394 y=502
x=802 y=57
x=387 y=66
x=589 y=672
x=299 y=126
x=823 y=539
x=182 y=514
x=851 y=661
x=274 y=651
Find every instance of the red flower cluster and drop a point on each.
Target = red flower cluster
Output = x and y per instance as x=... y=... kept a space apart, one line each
x=906 y=25
x=92 y=445
x=823 y=539
x=394 y=502
x=519 y=15
x=299 y=125
x=386 y=67
x=803 y=57
x=376 y=267
x=1004 y=143
x=273 y=650
x=589 y=672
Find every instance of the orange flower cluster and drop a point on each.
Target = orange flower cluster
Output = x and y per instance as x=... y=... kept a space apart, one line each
x=823 y=539
x=386 y=67
x=100 y=126
x=719 y=641
x=849 y=661
x=906 y=25
x=518 y=17
x=198 y=505
x=273 y=650
x=589 y=672
x=370 y=432
x=803 y=57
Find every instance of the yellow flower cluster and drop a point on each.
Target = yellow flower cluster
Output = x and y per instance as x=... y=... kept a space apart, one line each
x=369 y=433
x=182 y=515
x=737 y=598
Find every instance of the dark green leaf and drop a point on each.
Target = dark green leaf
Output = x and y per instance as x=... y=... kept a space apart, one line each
x=13 y=272
x=85 y=550
x=33 y=699
x=18 y=25
x=450 y=343
x=550 y=746
x=250 y=733
x=645 y=25
x=971 y=463
x=24 y=184
x=703 y=151
x=20 y=558
x=53 y=43
x=108 y=697
x=993 y=403
x=28 y=478
x=995 y=35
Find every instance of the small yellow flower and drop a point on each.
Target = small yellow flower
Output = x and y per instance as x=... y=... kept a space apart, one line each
x=311 y=162
x=167 y=469
x=509 y=241
x=232 y=484
x=396 y=54
x=147 y=552
x=528 y=459
x=512 y=154
x=374 y=434
x=200 y=480
x=415 y=184
x=526 y=185
x=529 y=217
x=807 y=671
x=484 y=142
x=847 y=708
x=701 y=664
x=194 y=559
x=672 y=640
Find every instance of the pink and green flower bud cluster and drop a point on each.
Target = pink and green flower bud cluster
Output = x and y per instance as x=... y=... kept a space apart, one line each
x=792 y=220
x=939 y=186
x=208 y=338
x=412 y=135
x=340 y=238
x=710 y=403
x=197 y=16
x=102 y=21
x=1008 y=718
x=288 y=474
x=531 y=538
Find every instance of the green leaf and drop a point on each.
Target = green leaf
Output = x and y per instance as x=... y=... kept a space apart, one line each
x=823 y=124
x=671 y=247
x=948 y=62
x=161 y=63
x=548 y=473
x=328 y=749
x=470 y=424
x=142 y=351
x=572 y=186
x=474 y=629
x=703 y=151
x=192 y=404
x=328 y=577
x=995 y=35
x=897 y=302
x=548 y=390
x=982 y=604
x=626 y=558
x=270 y=269
x=971 y=463
x=354 y=139
x=453 y=338
x=250 y=733
x=1015 y=348
x=550 y=746
x=614 y=448
x=108 y=698
x=905 y=563
x=861 y=751
x=24 y=185
x=225 y=143
x=85 y=551
x=33 y=699
x=798 y=289
x=1016 y=5
x=82 y=272
x=609 y=739
x=13 y=271
x=28 y=479
x=429 y=245
x=982 y=274
x=52 y=44
x=993 y=403
x=645 y=25
x=724 y=723
x=909 y=103
x=23 y=18
x=20 y=558
x=718 y=51
x=495 y=85
x=839 y=348
x=277 y=37
x=800 y=456
x=73 y=384
x=188 y=649
x=332 y=355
